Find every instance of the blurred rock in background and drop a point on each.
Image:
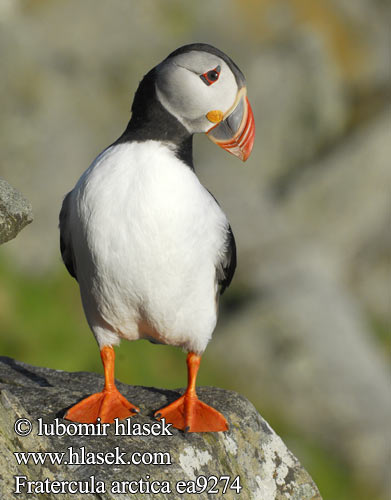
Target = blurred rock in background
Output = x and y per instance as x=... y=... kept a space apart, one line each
x=15 y=212
x=301 y=330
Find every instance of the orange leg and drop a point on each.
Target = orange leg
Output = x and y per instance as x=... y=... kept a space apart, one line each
x=188 y=413
x=108 y=404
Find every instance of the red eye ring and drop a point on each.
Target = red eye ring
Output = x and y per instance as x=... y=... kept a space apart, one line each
x=211 y=76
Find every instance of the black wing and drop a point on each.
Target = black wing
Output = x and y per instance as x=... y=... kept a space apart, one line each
x=65 y=238
x=226 y=269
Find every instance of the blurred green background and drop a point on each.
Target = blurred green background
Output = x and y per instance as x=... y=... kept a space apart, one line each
x=304 y=329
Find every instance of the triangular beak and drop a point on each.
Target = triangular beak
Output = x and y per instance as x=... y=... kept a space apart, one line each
x=236 y=131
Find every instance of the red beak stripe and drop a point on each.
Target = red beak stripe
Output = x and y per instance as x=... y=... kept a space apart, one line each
x=242 y=143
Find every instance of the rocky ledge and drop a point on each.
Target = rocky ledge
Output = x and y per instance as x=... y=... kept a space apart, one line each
x=42 y=454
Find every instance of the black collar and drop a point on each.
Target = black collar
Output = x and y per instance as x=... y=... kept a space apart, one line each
x=151 y=121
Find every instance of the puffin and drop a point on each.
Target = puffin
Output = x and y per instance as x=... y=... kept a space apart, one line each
x=148 y=244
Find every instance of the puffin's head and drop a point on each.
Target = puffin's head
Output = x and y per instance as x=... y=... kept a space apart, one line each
x=206 y=92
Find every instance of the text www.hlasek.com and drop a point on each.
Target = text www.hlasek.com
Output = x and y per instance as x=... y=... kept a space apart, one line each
x=80 y=456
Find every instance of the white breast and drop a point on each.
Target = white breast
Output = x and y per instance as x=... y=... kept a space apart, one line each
x=147 y=237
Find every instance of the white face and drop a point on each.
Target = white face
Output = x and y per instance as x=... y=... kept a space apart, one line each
x=185 y=94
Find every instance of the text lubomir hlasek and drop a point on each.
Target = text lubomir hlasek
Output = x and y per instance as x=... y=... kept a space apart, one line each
x=121 y=428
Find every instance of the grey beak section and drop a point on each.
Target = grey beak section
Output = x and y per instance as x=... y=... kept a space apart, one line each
x=228 y=127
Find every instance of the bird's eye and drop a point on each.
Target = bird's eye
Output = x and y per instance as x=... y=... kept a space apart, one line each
x=211 y=76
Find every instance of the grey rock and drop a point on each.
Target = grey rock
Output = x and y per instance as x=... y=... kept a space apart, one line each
x=367 y=22
x=15 y=212
x=294 y=121
x=342 y=202
x=250 y=449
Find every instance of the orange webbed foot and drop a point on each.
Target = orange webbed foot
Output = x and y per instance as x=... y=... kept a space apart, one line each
x=107 y=405
x=189 y=414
